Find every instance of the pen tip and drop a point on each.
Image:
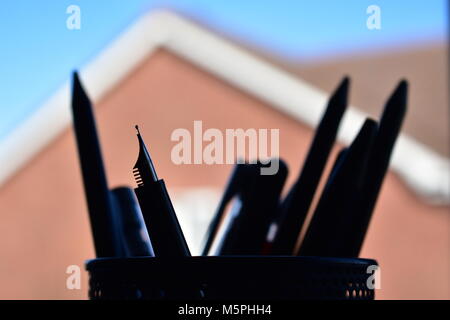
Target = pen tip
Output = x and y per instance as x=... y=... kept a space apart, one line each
x=397 y=102
x=144 y=163
x=404 y=83
x=345 y=81
x=341 y=93
x=343 y=86
x=369 y=127
x=75 y=79
x=80 y=98
x=401 y=90
x=338 y=102
x=359 y=149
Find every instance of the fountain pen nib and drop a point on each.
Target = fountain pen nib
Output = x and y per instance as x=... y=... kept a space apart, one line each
x=143 y=171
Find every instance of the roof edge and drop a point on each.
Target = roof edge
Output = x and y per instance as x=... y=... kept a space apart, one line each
x=422 y=169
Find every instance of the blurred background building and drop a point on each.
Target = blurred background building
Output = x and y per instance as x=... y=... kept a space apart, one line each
x=231 y=64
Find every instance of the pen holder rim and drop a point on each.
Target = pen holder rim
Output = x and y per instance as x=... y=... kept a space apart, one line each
x=241 y=277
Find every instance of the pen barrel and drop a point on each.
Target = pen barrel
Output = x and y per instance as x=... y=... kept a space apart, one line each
x=99 y=201
x=163 y=228
x=259 y=201
x=134 y=234
x=294 y=209
x=335 y=215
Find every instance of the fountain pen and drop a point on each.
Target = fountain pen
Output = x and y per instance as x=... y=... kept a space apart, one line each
x=162 y=225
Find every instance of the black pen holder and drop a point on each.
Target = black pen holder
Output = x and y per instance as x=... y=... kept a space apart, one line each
x=231 y=278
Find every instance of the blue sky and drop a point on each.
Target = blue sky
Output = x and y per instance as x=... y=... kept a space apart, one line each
x=38 y=52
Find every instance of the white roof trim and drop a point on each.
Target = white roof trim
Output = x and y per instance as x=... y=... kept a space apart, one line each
x=425 y=171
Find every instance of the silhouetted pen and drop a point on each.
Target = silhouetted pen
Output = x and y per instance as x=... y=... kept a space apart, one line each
x=259 y=203
x=134 y=233
x=295 y=206
x=163 y=228
x=236 y=181
x=339 y=158
x=104 y=226
x=333 y=212
x=389 y=129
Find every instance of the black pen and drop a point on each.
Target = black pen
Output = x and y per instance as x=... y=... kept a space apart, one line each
x=339 y=158
x=160 y=219
x=104 y=225
x=236 y=181
x=134 y=234
x=295 y=206
x=390 y=125
x=333 y=212
x=258 y=205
